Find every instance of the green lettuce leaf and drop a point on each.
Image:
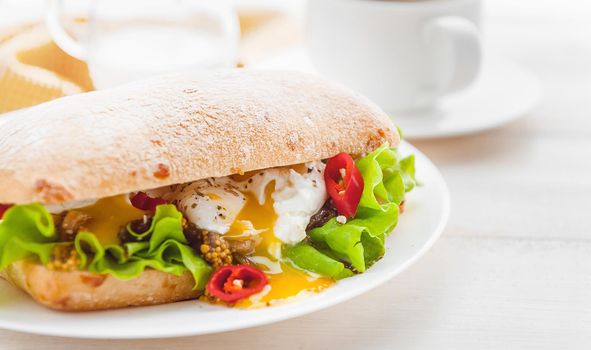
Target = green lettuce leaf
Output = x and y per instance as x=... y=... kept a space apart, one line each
x=27 y=231
x=360 y=241
x=310 y=259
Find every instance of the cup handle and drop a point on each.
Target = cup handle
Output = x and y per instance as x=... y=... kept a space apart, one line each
x=459 y=40
x=59 y=34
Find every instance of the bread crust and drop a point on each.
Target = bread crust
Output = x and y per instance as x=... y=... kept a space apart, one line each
x=83 y=291
x=180 y=128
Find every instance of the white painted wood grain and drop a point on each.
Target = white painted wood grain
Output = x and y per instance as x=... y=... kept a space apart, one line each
x=506 y=183
x=513 y=269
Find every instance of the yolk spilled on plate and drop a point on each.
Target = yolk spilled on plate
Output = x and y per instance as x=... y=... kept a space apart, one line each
x=290 y=281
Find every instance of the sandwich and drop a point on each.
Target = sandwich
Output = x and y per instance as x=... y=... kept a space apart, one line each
x=238 y=187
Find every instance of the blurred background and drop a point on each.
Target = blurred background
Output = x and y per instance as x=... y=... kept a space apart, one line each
x=50 y=49
x=440 y=67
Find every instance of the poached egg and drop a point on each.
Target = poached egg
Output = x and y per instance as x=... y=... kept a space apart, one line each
x=214 y=204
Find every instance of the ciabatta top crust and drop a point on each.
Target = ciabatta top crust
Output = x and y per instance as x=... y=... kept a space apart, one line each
x=180 y=128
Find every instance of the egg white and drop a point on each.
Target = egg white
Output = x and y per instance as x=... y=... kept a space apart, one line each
x=214 y=204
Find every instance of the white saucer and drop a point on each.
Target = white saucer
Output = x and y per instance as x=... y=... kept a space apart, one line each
x=503 y=92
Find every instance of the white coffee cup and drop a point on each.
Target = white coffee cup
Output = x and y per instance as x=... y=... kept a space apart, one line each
x=404 y=55
x=134 y=39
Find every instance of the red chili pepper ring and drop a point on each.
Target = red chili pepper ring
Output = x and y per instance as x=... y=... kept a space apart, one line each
x=235 y=282
x=344 y=183
x=3 y=209
x=143 y=201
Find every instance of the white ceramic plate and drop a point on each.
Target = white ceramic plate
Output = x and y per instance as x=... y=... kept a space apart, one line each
x=503 y=92
x=427 y=210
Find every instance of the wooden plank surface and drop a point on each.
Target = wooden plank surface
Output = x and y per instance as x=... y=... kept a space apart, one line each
x=513 y=269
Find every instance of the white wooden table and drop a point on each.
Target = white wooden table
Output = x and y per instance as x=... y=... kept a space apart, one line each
x=513 y=269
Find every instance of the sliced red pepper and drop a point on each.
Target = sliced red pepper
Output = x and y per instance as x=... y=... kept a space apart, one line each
x=143 y=201
x=235 y=282
x=3 y=209
x=344 y=184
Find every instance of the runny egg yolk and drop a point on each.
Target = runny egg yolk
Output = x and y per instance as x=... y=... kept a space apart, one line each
x=291 y=281
x=112 y=213
x=262 y=217
x=108 y=216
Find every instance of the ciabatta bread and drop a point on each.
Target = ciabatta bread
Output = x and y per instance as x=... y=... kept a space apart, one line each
x=83 y=291
x=180 y=128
